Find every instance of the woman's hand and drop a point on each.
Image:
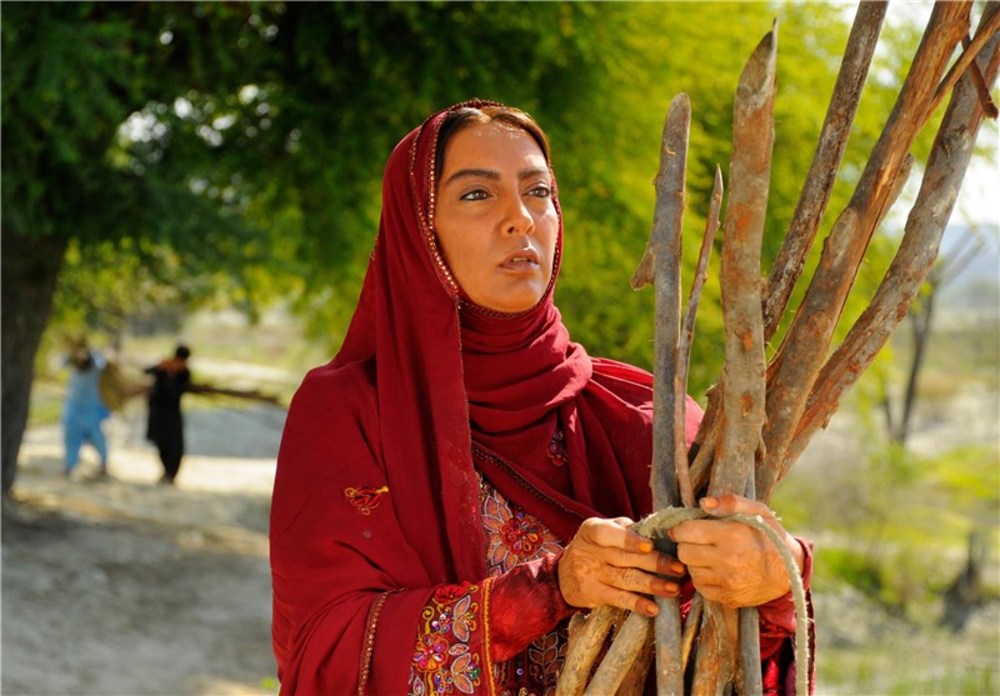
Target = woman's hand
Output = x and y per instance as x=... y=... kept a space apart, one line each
x=730 y=562
x=607 y=563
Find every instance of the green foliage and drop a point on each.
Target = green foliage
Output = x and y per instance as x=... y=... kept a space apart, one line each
x=894 y=524
x=853 y=568
x=249 y=139
x=967 y=479
x=955 y=680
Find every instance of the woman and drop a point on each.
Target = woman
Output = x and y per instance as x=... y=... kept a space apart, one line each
x=458 y=480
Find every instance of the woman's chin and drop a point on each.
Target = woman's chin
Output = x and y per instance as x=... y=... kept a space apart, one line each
x=511 y=305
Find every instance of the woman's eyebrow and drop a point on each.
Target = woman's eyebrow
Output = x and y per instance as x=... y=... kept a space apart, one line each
x=493 y=174
x=466 y=173
x=531 y=171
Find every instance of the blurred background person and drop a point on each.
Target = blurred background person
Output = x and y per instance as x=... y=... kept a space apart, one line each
x=83 y=411
x=165 y=425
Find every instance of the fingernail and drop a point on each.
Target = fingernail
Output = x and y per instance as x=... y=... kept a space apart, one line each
x=650 y=609
x=646 y=546
x=670 y=588
x=709 y=503
x=677 y=568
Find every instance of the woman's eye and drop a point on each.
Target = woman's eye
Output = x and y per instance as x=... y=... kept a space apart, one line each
x=540 y=191
x=476 y=195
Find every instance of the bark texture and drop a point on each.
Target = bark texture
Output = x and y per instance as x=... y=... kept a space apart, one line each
x=30 y=267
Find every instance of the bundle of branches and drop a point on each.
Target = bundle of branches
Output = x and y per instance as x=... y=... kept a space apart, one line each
x=761 y=413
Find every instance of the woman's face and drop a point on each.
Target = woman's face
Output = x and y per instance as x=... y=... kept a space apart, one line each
x=496 y=220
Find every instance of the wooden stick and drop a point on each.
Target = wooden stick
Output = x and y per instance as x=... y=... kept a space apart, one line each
x=684 y=352
x=634 y=683
x=787 y=267
x=691 y=629
x=585 y=642
x=794 y=369
x=627 y=646
x=714 y=661
x=660 y=265
x=249 y=394
x=749 y=181
x=665 y=244
x=988 y=26
x=665 y=247
x=946 y=167
x=749 y=679
x=707 y=439
x=742 y=379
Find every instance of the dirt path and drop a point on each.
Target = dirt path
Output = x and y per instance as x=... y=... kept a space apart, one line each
x=123 y=586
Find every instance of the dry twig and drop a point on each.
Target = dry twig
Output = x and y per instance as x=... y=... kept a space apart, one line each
x=742 y=380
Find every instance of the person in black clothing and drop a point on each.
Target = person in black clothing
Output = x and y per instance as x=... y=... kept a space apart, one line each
x=165 y=427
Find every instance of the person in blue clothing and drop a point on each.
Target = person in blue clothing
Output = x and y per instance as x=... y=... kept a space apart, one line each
x=83 y=410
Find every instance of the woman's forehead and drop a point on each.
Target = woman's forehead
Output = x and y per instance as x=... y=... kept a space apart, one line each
x=495 y=142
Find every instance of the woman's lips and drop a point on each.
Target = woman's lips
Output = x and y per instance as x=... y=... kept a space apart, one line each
x=523 y=260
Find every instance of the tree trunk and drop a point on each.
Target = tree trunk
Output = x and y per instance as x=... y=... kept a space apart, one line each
x=30 y=267
x=922 y=318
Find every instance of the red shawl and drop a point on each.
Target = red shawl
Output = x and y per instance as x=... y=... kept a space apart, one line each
x=376 y=496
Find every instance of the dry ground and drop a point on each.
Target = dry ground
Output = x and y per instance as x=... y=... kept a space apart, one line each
x=123 y=586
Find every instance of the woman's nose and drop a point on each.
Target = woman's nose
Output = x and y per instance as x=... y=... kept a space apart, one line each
x=518 y=219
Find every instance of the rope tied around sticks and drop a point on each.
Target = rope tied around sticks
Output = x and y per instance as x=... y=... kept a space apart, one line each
x=656 y=526
x=658 y=523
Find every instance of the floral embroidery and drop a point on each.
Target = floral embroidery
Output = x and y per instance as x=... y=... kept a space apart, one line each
x=442 y=660
x=451 y=654
x=431 y=651
x=545 y=658
x=557 y=448
x=522 y=535
x=512 y=535
x=365 y=498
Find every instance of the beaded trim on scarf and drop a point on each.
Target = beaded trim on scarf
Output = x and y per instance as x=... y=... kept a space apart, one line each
x=366 y=656
x=426 y=216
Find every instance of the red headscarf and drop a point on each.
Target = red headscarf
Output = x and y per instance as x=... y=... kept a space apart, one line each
x=445 y=374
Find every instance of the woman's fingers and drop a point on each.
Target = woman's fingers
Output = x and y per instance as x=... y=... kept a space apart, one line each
x=732 y=562
x=619 y=546
x=614 y=534
x=731 y=504
x=607 y=563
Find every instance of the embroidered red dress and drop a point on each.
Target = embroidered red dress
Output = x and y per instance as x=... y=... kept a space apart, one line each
x=430 y=475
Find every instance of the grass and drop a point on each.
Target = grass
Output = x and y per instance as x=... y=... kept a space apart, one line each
x=900 y=667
